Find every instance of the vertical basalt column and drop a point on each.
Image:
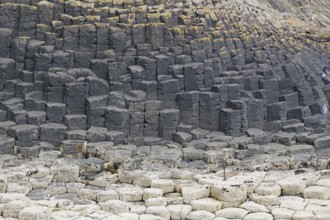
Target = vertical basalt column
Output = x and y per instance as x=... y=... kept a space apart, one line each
x=139 y=33
x=9 y=16
x=168 y=37
x=167 y=92
x=28 y=18
x=18 y=51
x=87 y=37
x=151 y=125
x=117 y=119
x=75 y=95
x=82 y=59
x=193 y=76
x=117 y=39
x=43 y=61
x=58 y=10
x=100 y=68
x=45 y=12
x=70 y=37
x=97 y=86
x=61 y=59
x=230 y=121
x=241 y=105
x=7 y=71
x=208 y=77
x=276 y=114
x=162 y=64
x=5 y=42
x=270 y=88
x=256 y=113
x=150 y=88
x=155 y=34
x=209 y=108
x=32 y=49
x=95 y=110
x=102 y=37
x=135 y=101
x=138 y=74
x=169 y=120
x=188 y=103
x=150 y=66
x=118 y=77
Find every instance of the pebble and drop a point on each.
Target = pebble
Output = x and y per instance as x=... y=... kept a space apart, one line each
x=198 y=215
x=232 y=213
x=303 y=215
x=254 y=207
x=282 y=213
x=206 y=204
x=258 y=216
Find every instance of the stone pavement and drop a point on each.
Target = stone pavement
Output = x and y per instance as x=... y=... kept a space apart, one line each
x=53 y=187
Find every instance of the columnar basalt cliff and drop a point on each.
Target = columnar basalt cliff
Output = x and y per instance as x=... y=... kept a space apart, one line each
x=120 y=71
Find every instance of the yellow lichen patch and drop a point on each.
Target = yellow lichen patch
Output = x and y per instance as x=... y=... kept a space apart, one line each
x=207 y=9
x=45 y=4
x=213 y=16
x=215 y=34
x=192 y=30
x=112 y=20
x=218 y=43
x=104 y=1
x=73 y=3
x=31 y=8
x=93 y=18
x=206 y=42
x=138 y=26
x=128 y=3
x=156 y=24
x=182 y=19
x=87 y=5
x=139 y=9
x=166 y=15
x=117 y=2
x=153 y=16
x=178 y=31
x=205 y=39
x=236 y=40
x=127 y=18
x=57 y=24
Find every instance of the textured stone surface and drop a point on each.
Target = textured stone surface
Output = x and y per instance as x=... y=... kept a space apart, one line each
x=31 y=188
x=164 y=109
x=154 y=71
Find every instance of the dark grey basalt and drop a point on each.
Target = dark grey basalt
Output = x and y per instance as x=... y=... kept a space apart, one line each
x=103 y=71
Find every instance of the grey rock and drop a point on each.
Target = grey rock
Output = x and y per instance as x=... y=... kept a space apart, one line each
x=52 y=132
x=181 y=137
x=55 y=112
x=96 y=134
x=6 y=145
x=76 y=135
x=117 y=119
x=26 y=133
x=75 y=121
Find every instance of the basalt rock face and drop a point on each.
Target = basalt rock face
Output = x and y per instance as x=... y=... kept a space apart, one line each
x=124 y=70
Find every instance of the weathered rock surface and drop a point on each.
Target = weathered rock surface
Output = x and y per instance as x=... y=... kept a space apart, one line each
x=37 y=188
x=164 y=109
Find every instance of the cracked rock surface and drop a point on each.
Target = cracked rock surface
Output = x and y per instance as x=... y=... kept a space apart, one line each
x=154 y=109
x=50 y=187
